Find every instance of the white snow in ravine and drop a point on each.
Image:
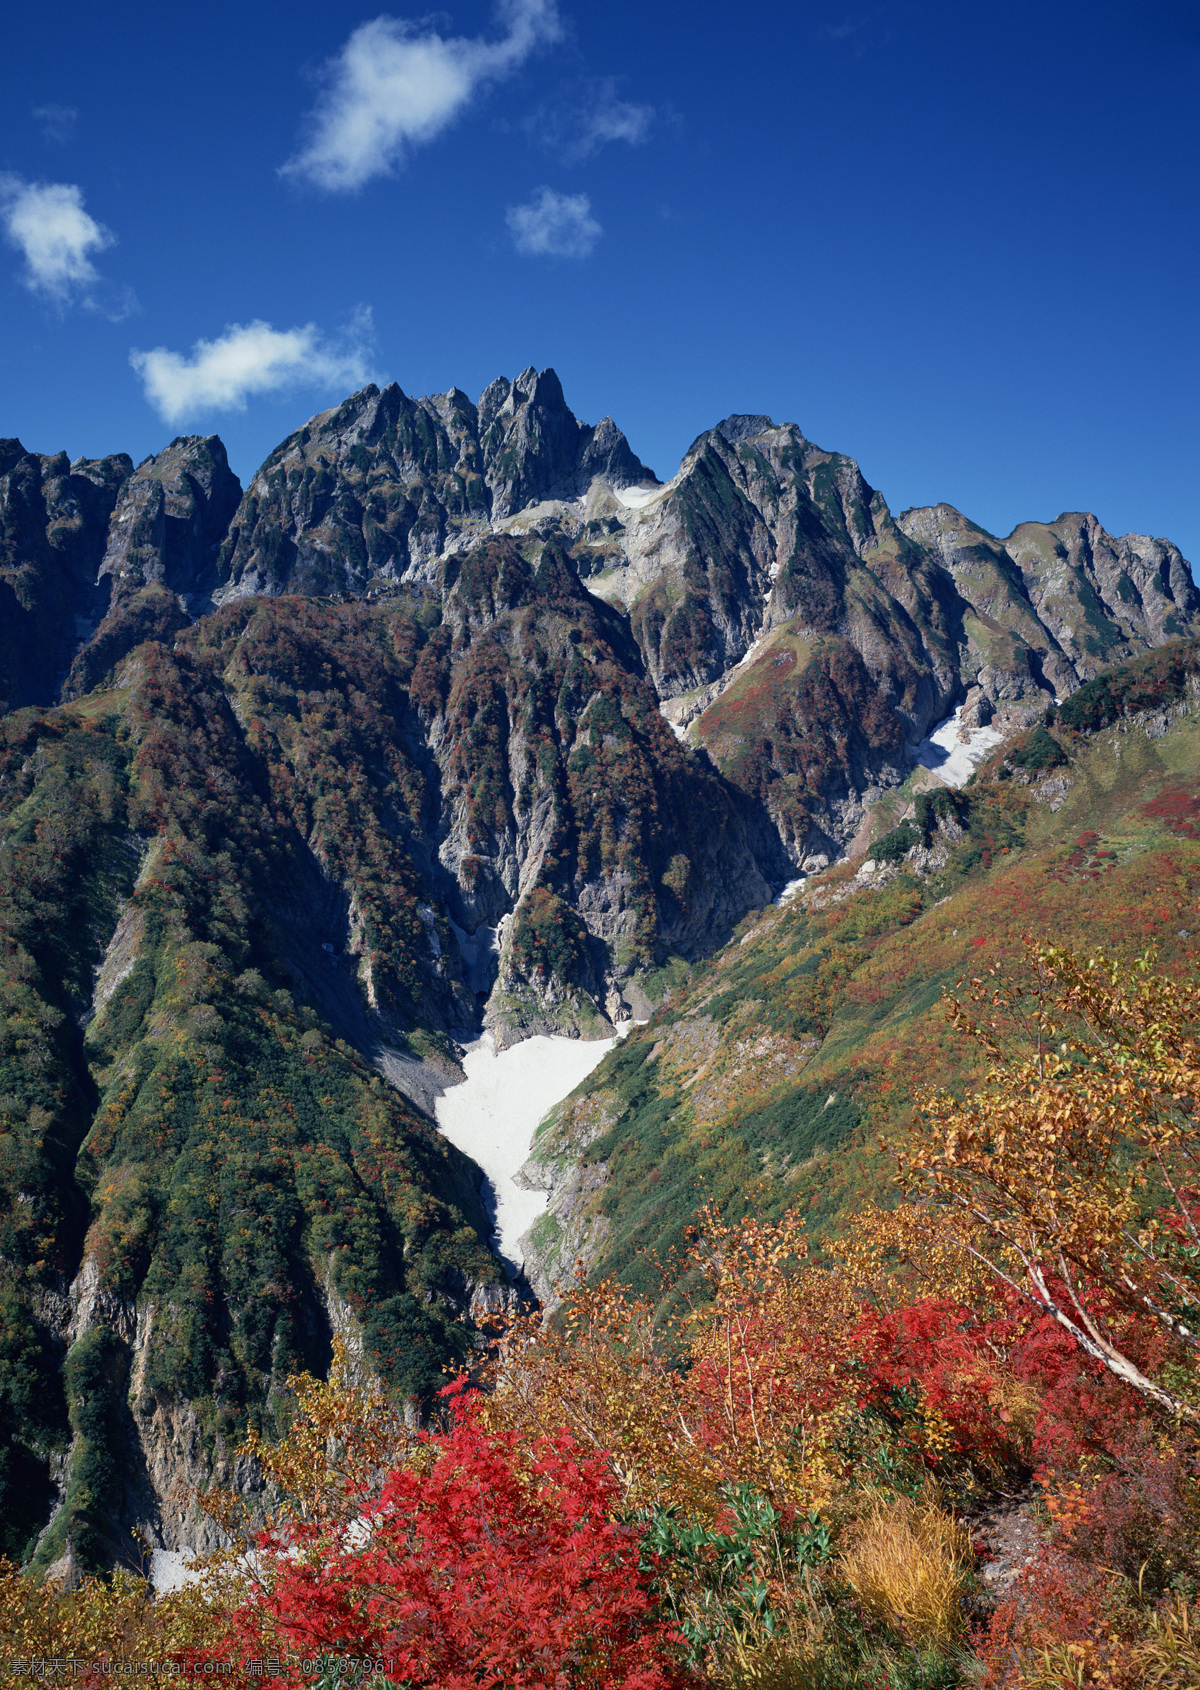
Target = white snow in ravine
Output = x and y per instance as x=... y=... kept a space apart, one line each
x=951 y=757
x=494 y=1113
x=634 y=498
x=679 y=729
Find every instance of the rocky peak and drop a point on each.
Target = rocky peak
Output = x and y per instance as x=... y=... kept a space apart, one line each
x=608 y=454
x=535 y=448
x=11 y=452
x=739 y=427
x=765 y=560
x=171 y=518
x=159 y=564
x=53 y=524
x=1073 y=597
x=379 y=489
x=1144 y=585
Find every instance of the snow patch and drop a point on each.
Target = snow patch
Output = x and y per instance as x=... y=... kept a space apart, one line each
x=790 y=890
x=679 y=729
x=171 y=1569
x=494 y=1113
x=951 y=755
x=637 y=498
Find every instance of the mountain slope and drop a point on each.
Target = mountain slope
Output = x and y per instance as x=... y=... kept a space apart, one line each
x=459 y=717
x=773 y=601
x=234 y=882
x=766 y=1075
x=201 y=1179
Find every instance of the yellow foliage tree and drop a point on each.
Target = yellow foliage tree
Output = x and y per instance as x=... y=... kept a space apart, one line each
x=739 y=1379
x=1073 y=1174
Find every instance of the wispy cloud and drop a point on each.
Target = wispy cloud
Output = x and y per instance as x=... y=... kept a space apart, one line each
x=57 y=123
x=251 y=359
x=589 y=119
x=554 y=225
x=396 y=85
x=858 y=29
x=47 y=224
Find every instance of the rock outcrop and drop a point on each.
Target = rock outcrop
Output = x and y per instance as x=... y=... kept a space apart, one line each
x=787 y=623
x=159 y=564
x=54 y=518
x=374 y=492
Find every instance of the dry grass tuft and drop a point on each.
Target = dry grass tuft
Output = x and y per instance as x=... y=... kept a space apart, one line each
x=908 y=1562
x=1169 y=1656
x=781 y=1667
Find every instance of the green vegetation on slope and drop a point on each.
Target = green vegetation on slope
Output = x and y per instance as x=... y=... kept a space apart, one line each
x=180 y=1120
x=222 y=900
x=765 y=1079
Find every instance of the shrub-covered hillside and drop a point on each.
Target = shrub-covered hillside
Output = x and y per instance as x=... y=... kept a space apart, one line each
x=764 y=1078
x=184 y=1134
x=956 y=1446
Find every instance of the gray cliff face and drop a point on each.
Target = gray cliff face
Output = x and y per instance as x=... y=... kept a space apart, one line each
x=96 y=556
x=1004 y=647
x=1105 y=599
x=1054 y=603
x=371 y=494
x=564 y=797
x=53 y=526
x=359 y=498
x=785 y=620
x=535 y=449
x=759 y=530
x=170 y=520
x=159 y=564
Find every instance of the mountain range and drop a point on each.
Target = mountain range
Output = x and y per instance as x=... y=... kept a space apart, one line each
x=456 y=715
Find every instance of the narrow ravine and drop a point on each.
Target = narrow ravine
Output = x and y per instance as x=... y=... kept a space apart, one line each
x=494 y=1113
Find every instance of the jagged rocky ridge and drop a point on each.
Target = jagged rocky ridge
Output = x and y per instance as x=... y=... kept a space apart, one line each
x=457 y=710
x=799 y=632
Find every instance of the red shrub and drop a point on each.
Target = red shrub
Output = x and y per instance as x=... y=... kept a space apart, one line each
x=1057 y=1601
x=948 y=1356
x=489 y=1568
x=1142 y=1519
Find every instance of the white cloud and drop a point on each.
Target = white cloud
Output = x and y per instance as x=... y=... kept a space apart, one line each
x=394 y=86
x=554 y=225
x=249 y=359
x=594 y=116
x=47 y=223
x=611 y=119
x=57 y=122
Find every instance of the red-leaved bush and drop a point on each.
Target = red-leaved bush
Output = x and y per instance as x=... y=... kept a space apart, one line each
x=485 y=1563
x=1057 y=1601
x=940 y=1348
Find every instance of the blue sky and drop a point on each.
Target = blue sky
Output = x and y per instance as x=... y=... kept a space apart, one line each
x=958 y=241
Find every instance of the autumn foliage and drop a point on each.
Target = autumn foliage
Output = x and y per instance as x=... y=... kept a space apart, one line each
x=783 y=1466
x=483 y=1560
